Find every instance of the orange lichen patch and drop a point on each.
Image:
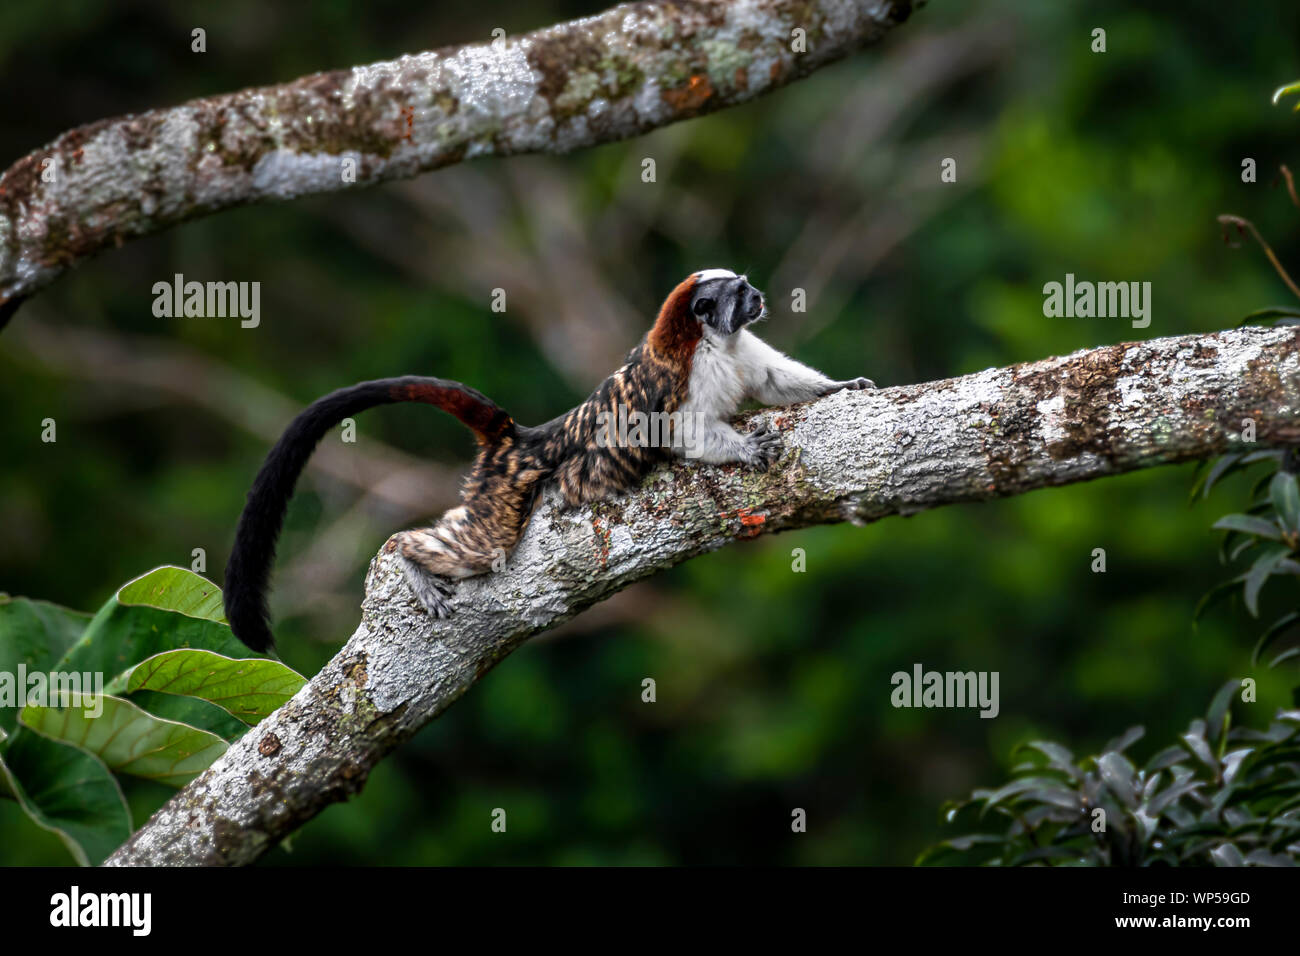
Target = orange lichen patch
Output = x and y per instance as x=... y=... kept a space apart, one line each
x=751 y=522
x=774 y=74
x=741 y=79
x=690 y=97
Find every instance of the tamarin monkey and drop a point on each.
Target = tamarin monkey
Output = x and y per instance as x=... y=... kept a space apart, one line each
x=698 y=360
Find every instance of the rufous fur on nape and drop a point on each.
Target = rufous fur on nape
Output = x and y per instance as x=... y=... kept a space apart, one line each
x=693 y=369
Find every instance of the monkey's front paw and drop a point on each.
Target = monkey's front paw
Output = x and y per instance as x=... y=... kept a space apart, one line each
x=762 y=447
x=857 y=384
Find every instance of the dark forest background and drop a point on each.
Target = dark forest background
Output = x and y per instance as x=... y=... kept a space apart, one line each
x=773 y=686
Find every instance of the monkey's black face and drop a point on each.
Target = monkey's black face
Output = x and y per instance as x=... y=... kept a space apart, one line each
x=724 y=301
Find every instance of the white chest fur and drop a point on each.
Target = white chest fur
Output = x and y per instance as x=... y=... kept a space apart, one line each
x=717 y=385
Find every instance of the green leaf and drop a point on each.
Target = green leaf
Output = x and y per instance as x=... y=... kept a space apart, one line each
x=1196 y=743
x=1226 y=854
x=249 y=689
x=1260 y=572
x=192 y=711
x=1118 y=774
x=163 y=610
x=1056 y=796
x=1272 y=312
x=1165 y=758
x=1249 y=524
x=1170 y=795
x=68 y=792
x=1242 y=546
x=1286 y=90
x=952 y=851
x=1217 y=719
x=1046 y=853
x=1224 y=466
x=1216 y=594
x=1276 y=630
x=130 y=740
x=175 y=589
x=33 y=636
x=1285 y=656
x=1125 y=740
x=1285 y=495
x=1058 y=757
x=1015 y=787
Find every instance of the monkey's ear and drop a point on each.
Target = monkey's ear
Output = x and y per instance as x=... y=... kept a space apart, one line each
x=703 y=306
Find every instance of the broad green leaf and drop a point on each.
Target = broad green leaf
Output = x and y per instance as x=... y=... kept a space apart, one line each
x=130 y=740
x=1249 y=524
x=1285 y=495
x=250 y=689
x=167 y=608
x=69 y=792
x=33 y=636
x=192 y=711
x=175 y=589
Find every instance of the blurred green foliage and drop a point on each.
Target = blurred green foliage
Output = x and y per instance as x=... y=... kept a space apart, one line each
x=773 y=686
x=1220 y=796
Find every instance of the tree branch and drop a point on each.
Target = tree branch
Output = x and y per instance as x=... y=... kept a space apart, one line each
x=856 y=456
x=634 y=68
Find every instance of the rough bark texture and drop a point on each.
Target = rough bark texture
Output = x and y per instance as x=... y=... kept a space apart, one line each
x=855 y=456
x=634 y=68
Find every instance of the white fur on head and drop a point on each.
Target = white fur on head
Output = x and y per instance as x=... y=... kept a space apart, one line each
x=704 y=275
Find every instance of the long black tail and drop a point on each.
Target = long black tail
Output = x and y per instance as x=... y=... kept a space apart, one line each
x=249 y=568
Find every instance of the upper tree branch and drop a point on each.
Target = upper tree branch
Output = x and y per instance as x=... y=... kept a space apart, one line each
x=632 y=69
x=854 y=456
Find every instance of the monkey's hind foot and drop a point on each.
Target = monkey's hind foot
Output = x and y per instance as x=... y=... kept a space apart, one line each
x=432 y=592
